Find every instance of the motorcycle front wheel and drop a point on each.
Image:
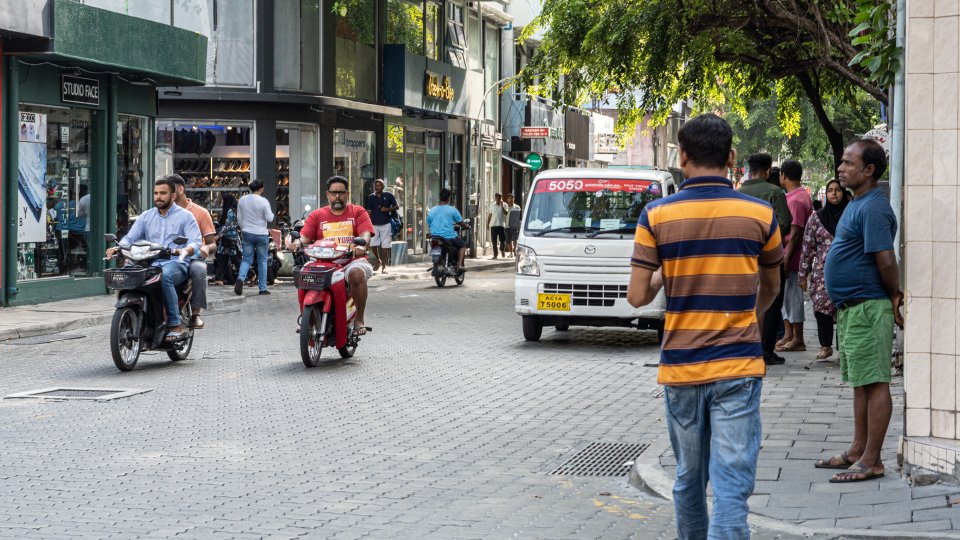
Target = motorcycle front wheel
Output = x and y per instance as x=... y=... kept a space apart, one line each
x=313 y=325
x=350 y=349
x=124 y=341
x=182 y=349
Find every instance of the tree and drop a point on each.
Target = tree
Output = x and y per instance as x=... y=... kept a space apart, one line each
x=654 y=53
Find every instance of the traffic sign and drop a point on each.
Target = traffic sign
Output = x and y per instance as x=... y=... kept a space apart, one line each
x=535 y=162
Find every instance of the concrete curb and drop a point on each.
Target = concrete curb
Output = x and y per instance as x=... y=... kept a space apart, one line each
x=486 y=265
x=648 y=476
x=86 y=322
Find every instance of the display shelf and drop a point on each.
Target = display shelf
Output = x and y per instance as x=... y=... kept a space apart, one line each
x=237 y=188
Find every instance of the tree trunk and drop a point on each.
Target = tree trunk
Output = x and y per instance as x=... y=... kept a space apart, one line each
x=833 y=135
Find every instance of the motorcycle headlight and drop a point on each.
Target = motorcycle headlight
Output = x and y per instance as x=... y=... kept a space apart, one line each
x=139 y=253
x=527 y=262
x=323 y=252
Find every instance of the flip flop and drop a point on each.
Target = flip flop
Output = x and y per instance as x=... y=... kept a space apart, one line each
x=173 y=336
x=790 y=347
x=866 y=473
x=359 y=330
x=845 y=462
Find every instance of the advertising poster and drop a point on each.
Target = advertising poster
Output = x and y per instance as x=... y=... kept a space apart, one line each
x=33 y=127
x=31 y=210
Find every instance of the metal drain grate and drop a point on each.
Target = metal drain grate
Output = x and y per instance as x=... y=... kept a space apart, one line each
x=90 y=394
x=601 y=459
x=39 y=340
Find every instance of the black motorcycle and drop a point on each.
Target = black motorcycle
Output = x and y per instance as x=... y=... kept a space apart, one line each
x=444 y=257
x=140 y=324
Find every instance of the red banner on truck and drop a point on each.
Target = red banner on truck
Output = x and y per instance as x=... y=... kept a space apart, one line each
x=593 y=185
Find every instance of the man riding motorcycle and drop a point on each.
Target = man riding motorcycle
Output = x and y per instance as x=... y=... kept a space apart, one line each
x=162 y=224
x=441 y=220
x=343 y=222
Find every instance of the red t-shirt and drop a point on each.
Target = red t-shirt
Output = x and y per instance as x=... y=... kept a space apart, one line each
x=323 y=223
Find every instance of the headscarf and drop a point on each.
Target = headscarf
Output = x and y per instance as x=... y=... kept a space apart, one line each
x=830 y=213
x=229 y=203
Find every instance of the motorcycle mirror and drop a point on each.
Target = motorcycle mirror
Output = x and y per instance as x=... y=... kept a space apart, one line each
x=358 y=241
x=298 y=227
x=180 y=240
x=110 y=237
x=295 y=235
x=467 y=221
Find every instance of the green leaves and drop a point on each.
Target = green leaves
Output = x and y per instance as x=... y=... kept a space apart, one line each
x=873 y=35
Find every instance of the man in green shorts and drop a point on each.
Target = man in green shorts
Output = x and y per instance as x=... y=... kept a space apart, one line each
x=863 y=281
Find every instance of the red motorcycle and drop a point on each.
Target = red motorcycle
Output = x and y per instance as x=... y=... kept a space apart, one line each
x=328 y=311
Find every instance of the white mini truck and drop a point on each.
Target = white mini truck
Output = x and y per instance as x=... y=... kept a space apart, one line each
x=574 y=249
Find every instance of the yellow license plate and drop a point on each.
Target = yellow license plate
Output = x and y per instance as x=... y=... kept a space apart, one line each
x=553 y=302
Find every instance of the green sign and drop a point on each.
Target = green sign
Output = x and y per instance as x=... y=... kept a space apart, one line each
x=535 y=161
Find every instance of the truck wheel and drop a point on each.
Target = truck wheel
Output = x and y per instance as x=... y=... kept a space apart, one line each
x=532 y=327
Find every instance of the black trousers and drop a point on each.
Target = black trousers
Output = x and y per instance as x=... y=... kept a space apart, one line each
x=497 y=235
x=824 y=328
x=224 y=266
x=773 y=319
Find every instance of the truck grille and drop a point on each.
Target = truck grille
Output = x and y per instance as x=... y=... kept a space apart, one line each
x=588 y=295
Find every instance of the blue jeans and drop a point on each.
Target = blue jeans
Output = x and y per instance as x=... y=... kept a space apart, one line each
x=174 y=273
x=259 y=242
x=715 y=432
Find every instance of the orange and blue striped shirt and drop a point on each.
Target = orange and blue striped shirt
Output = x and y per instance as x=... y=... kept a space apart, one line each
x=710 y=241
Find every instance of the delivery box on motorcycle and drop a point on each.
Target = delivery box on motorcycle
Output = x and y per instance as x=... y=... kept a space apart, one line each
x=574 y=247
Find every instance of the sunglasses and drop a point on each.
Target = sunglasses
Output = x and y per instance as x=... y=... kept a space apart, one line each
x=338 y=193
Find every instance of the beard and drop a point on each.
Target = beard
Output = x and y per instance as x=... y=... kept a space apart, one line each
x=163 y=205
x=338 y=205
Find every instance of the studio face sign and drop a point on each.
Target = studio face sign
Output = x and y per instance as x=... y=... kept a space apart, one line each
x=438 y=87
x=79 y=90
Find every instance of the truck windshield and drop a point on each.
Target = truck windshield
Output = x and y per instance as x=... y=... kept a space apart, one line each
x=571 y=206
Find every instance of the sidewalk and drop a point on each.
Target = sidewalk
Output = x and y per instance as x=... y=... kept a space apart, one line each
x=53 y=317
x=808 y=414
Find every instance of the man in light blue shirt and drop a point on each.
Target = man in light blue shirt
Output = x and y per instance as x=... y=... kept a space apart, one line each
x=441 y=220
x=162 y=224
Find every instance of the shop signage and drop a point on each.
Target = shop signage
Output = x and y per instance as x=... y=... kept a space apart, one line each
x=79 y=90
x=535 y=161
x=438 y=86
x=534 y=132
x=606 y=143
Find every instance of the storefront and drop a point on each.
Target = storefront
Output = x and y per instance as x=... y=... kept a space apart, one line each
x=577 y=137
x=77 y=134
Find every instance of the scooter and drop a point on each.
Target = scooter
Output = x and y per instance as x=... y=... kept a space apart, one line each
x=445 y=257
x=328 y=311
x=140 y=321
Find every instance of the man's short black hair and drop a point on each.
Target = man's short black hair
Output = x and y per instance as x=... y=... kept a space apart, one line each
x=707 y=140
x=337 y=179
x=873 y=154
x=792 y=169
x=177 y=179
x=774 y=177
x=169 y=182
x=445 y=195
x=256 y=185
x=759 y=162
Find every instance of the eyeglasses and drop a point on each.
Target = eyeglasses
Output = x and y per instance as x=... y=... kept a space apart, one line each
x=338 y=193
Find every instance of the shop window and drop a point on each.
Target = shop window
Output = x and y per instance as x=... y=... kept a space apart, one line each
x=397 y=179
x=454 y=177
x=297 y=172
x=54 y=201
x=296 y=40
x=474 y=41
x=230 y=49
x=356 y=51
x=130 y=153
x=456 y=36
x=354 y=159
x=152 y=11
x=491 y=69
x=405 y=25
x=212 y=156
x=433 y=30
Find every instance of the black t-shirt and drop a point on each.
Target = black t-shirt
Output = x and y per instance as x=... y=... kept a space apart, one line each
x=374 y=202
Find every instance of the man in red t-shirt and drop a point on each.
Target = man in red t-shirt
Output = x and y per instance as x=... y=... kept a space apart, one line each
x=343 y=222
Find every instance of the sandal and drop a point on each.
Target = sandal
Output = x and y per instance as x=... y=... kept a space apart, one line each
x=359 y=330
x=782 y=342
x=825 y=352
x=858 y=472
x=792 y=346
x=843 y=457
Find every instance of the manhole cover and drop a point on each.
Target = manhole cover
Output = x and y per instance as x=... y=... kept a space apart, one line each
x=601 y=459
x=45 y=338
x=95 y=394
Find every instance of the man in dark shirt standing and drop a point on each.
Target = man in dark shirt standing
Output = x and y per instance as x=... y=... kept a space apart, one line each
x=863 y=281
x=759 y=186
x=380 y=205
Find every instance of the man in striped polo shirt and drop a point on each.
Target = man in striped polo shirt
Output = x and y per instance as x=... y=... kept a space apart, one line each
x=717 y=253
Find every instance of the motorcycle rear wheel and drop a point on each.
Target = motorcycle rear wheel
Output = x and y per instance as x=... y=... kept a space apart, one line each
x=440 y=273
x=459 y=277
x=313 y=326
x=182 y=350
x=124 y=343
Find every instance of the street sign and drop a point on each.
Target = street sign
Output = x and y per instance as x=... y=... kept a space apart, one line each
x=534 y=132
x=535 y=162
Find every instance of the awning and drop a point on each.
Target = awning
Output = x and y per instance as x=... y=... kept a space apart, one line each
x=516 y=162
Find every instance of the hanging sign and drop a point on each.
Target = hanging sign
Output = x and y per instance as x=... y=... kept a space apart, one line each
x=534 y=132
x=534 y=161
x=79 y=90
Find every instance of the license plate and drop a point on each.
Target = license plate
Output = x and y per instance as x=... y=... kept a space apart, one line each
x=309 y=278
x=553 y=302
x=435 y=252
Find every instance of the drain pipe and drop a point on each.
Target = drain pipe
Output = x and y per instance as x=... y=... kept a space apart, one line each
x=898 y=133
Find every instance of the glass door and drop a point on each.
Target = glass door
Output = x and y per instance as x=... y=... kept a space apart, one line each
x=416 y=199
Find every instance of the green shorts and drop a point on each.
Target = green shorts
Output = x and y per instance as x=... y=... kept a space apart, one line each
x=865 y=333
